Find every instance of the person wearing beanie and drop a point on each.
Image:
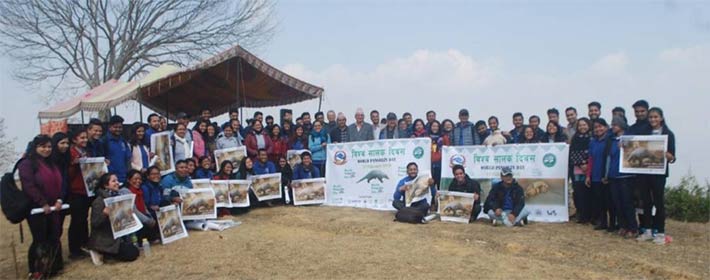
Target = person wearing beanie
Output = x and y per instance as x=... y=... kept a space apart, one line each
x=620 y=184
x=505 y=203
x=390 y=131
x=118 y=151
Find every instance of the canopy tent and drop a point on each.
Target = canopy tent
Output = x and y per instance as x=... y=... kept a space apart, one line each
x=104 y=96
x=232 y=79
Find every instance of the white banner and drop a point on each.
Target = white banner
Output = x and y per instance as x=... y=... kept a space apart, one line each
x=643 y=154
x=365 y=174
x=121 y=216
x=541 y=169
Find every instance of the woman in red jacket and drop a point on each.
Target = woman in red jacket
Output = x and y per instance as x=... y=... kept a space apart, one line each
x=80 y=202
x=280 y=144
x=257 y=139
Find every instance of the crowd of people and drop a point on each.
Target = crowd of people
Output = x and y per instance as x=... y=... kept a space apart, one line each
x=50 y=173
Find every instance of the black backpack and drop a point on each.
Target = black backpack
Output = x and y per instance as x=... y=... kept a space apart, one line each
x=409 y=215
x=15 y=203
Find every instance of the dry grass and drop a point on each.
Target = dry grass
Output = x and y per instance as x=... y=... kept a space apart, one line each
x=345 y=243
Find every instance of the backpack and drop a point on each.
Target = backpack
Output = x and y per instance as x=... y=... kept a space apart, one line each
x=409 y=215
x=15 y=203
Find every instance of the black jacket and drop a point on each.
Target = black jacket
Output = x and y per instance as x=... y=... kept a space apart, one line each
x=497 y=196
x=469 y=186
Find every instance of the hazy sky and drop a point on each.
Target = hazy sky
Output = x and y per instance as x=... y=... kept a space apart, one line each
x=493 y=58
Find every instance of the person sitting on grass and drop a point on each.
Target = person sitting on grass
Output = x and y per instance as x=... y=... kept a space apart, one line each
x=402 y=187
x=175 y=182
x=101 y=242
x=463 y=183
x=506 y=202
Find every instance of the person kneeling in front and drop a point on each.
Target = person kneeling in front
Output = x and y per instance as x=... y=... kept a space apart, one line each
x=402 y=187
x=463 y=183
x=506 y=202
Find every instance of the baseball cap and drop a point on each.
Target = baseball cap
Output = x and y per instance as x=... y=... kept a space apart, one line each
x=391 y=116
x=183 y=115
x=506 y=171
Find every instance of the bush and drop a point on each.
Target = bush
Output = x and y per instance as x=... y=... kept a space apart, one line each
x=688 y=201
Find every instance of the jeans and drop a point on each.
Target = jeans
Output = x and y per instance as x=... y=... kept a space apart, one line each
x=621 y=194
x=504 y=216
x=652 y=195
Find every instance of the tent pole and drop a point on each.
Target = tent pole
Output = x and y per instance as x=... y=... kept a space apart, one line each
x=82 y=117
x=320 y=101
x=140 y=111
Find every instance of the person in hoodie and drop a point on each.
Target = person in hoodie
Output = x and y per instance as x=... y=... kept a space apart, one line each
x=390 y=131
x=620 y=183
x=257 y=139
x=506 y=202
x=652 y=195
x=602 y=210
x=464 y=134
x=152 y=191
x=117 y=149
x=463 y=183
x=402 y=187
x=419 y=129
x=318 y=140
x=578 y=161
x=101 y=241
x=228 y=139
x=438 y=141
x=204 y=171
x=554 y=134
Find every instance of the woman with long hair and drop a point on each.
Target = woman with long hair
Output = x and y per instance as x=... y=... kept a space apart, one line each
x=61 y=157
x=211 y=139
x=652 y=195
x=447 y=128
x=419 y=129
x=134 y=180
x=528 y=136
x=42 y=183
x=246 y=169
x=279 y=142
x=438 y=141
x=299 y=139
x=226 y=169
x=77 y=197
x=141 y=155
x=578 y=156
x=554 y=134
x=182 y=146
x=199 y=138
x=257 y=139
x=317 y=142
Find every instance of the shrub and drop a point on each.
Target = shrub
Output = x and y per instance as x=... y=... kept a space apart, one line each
x=688 y=201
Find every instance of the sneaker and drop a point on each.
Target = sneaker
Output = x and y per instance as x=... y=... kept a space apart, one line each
x=96 y=257
x=521 y=223
x=495 y=222
x=646 y=236
x=659 y=239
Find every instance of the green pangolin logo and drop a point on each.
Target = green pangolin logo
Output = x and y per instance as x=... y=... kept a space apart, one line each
x=549 y=160
x=418 y=152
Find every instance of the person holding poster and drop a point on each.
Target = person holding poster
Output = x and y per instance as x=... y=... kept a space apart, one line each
x=175 y=182
x=652 y=195
x=438 y=140
x=101 y=242
x=225 y=171
x=305 y=169
x=135 y=182
x=506 y=202
x=463 y=183
x=182 y=144
x=152 y=191
x=402 y=187
x=77 y=197
x=620 y=183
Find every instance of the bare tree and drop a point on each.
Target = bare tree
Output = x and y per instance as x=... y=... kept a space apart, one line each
x=92 y=41
x=8 y=156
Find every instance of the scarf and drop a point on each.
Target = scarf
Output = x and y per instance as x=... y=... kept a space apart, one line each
x=322 y=135
x=185 y=145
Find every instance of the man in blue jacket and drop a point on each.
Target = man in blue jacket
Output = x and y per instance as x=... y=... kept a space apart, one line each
x=305 y=169
x=620 y=183
x=263 y=165
x=118 y=151
x=402 y=187
x=506 y=202
x=175 y=182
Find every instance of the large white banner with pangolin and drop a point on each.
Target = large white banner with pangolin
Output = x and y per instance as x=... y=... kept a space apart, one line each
x=365 y=174
x=541 y=169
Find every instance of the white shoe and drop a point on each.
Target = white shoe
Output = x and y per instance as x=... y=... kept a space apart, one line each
x=495 y=222
x=646 y=236
x=96 y=257
x=660 y=239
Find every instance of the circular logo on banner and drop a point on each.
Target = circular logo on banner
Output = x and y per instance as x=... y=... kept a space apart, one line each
x=418 y=152
x=549 y=160
x=340 y=158
x=457 y=159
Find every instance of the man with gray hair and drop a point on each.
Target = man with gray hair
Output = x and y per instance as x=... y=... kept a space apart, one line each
x=360 y=130
x=332 y=123
x=339 y=134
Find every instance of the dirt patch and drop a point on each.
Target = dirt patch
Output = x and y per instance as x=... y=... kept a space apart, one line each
x=346 y=243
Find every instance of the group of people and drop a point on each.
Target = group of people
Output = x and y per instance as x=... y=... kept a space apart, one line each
x=50 y=173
